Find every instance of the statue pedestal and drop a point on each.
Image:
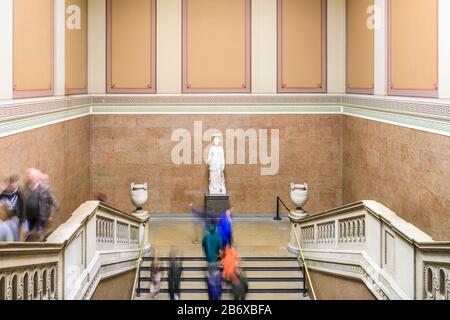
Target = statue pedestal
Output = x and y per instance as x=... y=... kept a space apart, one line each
x=295 y=216
x=217 y=203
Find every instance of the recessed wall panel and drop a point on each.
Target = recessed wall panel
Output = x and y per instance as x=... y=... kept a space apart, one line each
x=302 y=45
x=131 y=46
x=76 y=46
x=32 y=48
x=360 y=46
x=216 y=45
x=413 y=48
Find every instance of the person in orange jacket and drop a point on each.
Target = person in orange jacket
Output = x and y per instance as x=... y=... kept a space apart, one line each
x=230 y=258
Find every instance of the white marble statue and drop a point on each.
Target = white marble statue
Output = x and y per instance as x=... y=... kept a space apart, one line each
x=216 y=162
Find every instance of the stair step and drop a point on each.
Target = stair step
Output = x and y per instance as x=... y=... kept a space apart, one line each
x=245 y=268
x=227 y=290
x=202 y=258
x=262 y=279
x=227 y=296
x=250 y=274
x=262 y=264
x=252 y=285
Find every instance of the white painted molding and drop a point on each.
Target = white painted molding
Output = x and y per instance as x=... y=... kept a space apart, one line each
x=59 y=47
x=336 y=46
x=380 y=68
x=264 y=46
x=97 y=46
x=168 y=47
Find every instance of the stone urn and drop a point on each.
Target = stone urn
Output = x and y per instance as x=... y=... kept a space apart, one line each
x=299 y=195
x=139 y=196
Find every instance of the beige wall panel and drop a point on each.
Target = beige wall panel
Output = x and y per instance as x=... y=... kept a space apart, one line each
x=405 y=169
x=131 y=44
x=216 y=44
x=332 y=287
x=301 y=41
x=33 y=47
x=413 y=42
x=127 y=148
x=360 y=46
x=76 y=51
x=62 y=151
x=118 y=287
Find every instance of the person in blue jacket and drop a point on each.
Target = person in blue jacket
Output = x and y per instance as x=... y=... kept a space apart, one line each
x=225 y=227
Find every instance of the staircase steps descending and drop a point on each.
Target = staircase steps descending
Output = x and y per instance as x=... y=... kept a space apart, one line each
x=269 y=278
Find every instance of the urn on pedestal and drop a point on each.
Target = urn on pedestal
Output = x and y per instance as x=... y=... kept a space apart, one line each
x=139 y=196
x=299 y=195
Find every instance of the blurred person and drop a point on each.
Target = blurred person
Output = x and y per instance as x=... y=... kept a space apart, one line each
x=230 y=259
x=214 y=282
x=201 y=219
x=9 y=225
x=12 y=197
x=155 y=276
x=212 y=243
x=174 y=276
x=225 y=227
x=239 y=284
x=40 y=203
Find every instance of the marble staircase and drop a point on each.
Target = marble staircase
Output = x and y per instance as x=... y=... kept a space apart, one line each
x=269 y=278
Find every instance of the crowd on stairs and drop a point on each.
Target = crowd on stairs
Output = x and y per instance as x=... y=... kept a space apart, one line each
x=26 y=211
x=221 y=256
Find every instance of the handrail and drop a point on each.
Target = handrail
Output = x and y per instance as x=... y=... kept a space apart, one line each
x=277 y=217
x=380 y=212
x=137 y=277
x=363 y=240
x=94 y=236
x=305 y=267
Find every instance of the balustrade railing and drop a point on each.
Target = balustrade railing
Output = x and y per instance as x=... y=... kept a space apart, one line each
x=96 y=242
x=369 y=242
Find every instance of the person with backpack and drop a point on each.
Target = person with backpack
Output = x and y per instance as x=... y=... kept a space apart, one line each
x=239 y=285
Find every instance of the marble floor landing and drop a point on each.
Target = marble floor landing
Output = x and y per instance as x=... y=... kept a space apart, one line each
x=253 y=236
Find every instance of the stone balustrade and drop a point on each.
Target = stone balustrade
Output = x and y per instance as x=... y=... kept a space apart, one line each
x=369 y=242
x=96 y=242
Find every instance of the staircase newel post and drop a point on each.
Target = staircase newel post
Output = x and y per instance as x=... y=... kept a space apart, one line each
x=295 y=219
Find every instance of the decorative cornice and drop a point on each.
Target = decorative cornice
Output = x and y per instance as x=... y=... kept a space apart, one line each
x=38 y=106
x=420 y=114
x=212 y=109
x=418 y=108
x=35 y=121
x=414 y=122
x=222 y=100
